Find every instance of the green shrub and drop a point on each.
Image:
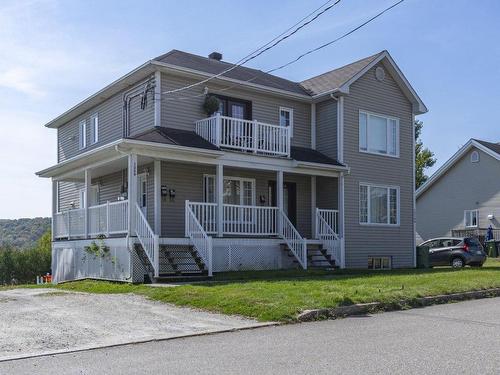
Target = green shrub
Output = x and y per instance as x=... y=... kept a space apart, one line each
x=23 y=266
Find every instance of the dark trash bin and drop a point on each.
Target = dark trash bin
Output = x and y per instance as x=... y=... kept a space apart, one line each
x=423 y=257
x=492 y=248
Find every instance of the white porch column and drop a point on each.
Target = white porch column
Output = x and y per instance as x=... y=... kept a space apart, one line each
x=55 y=203
x=157 y=196
x=341 y=219
x=219 y=198
x=313 y=207
x=279 y=197
x=132 y=192
x=88 y=185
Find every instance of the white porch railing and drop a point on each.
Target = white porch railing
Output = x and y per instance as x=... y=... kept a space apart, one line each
x=331 y=217
x=201 y=241
x=237 y=219
x=69 y=224
x=326 y=231
x=106 y=219
x=149 y=240
x=295 y=242
x=245 y=135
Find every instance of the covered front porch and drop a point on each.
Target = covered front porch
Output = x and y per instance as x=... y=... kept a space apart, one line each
x=158 y=200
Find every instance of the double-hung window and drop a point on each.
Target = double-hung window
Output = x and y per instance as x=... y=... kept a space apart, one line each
x=471 y=218
x=286 y=118
x=94 y=129
x=82 y=134
x=378 y=204
x=378 y=134
x=236 y=190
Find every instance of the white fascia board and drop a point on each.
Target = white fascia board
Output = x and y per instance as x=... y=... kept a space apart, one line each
x=113 y=88
x=100 y=153
x=134 y=146
x=457 y=156
x=169 y=68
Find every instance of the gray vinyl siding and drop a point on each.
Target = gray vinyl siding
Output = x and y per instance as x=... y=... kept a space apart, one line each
x=327 y=192
x=326 y=128
x=187 y=181
x=110 y=186
x=465 y=186
x=68 y=193
x=362 y=241
x=110 y=113
x=181 y=110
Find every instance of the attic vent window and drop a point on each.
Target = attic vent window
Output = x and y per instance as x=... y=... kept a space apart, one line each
x=215 y=56
x=380 y=74
x=474 y=157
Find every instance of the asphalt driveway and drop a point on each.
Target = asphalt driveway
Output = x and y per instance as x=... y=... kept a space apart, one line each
x=36 y=321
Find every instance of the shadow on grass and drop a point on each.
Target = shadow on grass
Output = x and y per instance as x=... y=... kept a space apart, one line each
x=301 y=275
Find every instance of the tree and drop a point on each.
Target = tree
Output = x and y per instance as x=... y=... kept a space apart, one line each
x=424 y=158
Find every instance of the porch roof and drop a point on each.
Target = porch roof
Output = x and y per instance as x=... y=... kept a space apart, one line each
x=173 y=136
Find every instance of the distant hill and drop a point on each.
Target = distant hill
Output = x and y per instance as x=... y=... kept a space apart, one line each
x=23 y=233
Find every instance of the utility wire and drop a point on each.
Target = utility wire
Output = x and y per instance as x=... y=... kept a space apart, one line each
x=335 y=40
x=302 y=55
x=266 y=47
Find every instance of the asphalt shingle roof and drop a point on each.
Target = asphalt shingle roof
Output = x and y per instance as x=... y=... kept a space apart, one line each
x=495 y=147
x=242 y=73
x=335 y=78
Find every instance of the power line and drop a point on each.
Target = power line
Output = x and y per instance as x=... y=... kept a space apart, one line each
x=304 y=54
x=266 y=47
x=335 y=40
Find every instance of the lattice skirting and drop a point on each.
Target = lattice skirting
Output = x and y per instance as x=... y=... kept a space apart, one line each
x=249 y=255
x=70 y=261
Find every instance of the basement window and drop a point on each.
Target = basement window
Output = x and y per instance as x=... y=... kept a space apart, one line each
x=379 y=263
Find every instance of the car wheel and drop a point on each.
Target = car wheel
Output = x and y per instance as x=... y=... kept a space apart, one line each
x=457 y=263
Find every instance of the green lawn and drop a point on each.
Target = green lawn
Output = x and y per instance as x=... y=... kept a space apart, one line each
x=281 y=295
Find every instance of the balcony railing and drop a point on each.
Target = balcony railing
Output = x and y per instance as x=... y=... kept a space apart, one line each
x=105 y=219
x=245 y=135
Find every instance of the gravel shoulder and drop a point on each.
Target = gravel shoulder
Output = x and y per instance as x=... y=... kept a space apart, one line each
x=43 y=321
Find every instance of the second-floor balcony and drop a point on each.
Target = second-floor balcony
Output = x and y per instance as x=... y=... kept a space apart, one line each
x=245 y=135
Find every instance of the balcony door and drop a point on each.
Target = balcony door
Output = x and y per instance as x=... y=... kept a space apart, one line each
x=237 y=108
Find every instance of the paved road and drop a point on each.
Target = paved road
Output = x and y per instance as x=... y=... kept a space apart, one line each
x=439 y=339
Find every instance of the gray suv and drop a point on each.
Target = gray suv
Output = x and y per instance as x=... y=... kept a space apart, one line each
x=455 y=252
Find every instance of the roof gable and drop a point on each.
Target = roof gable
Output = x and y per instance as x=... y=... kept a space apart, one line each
x=492 y=149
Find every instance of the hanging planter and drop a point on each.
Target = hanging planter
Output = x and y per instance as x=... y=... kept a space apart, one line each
x=211 y=104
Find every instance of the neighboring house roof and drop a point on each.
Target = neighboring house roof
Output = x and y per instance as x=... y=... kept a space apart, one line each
x=492 y=149
x=335 y=81
x=240 y=73
x=173 y=136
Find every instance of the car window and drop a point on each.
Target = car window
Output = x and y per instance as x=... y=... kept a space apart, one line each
x=472 y=242
x=432 y=244
x=448 y=242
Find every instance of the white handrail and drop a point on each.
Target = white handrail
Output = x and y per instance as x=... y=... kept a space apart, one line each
x=201 y=241
x=328 y=236
x=330 y=216
x=293 y=239
x=245 y=135
x=149 y=241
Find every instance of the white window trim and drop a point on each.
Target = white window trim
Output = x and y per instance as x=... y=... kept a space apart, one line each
x=241 y=179
x=381 y=263
x=367 y=151
x=289 y=110
x=398 y=211
x=469 y=212
x=94 y=123
x=476 y=158
x=82 y=134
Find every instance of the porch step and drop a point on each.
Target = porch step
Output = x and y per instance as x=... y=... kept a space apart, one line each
x=177 y=261
x=317 y=257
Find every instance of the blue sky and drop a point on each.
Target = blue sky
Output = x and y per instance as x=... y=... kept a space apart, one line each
x=53 y=54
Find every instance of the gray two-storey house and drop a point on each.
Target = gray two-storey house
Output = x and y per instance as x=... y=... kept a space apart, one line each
x=176 y=170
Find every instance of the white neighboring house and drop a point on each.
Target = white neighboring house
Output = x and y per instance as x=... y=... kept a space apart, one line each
x=463 y=196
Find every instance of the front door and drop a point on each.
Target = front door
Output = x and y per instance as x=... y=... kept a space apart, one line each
x=142 y=193
x=289 y=199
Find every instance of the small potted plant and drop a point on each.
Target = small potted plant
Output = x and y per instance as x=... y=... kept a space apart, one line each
x=211 y=104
